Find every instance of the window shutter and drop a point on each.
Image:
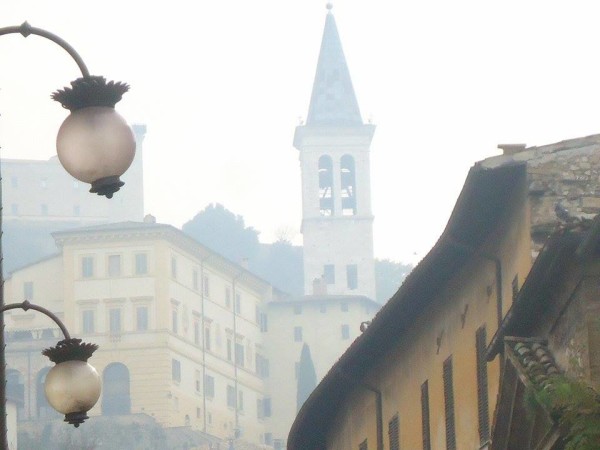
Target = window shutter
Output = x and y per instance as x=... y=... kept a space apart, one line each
x=449 y=405
x=482 y=386
x=394 y=433
x=425 y=416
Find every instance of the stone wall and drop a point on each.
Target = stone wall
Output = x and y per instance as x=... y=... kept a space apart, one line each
x=566 y=174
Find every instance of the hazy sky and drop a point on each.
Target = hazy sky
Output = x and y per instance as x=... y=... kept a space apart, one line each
x=222 y=85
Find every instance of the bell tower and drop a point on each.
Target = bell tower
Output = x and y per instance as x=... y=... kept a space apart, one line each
x=333 y=144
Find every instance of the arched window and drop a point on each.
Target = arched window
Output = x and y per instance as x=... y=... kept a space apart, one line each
x=43 y=408
x=115 y=390
x=326 y=185
x=15 y=390
x=348 y=185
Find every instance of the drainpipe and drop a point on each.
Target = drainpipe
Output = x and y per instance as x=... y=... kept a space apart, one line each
x=203 y=340
x=378 y=404
x=235 y=363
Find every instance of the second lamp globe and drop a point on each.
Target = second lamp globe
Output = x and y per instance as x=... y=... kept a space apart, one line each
x=95 y=144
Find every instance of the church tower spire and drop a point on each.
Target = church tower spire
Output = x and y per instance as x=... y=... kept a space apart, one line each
x=333 y=144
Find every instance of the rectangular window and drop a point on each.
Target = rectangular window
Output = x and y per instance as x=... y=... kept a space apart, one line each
x=114 y=265
x=425 y=416
x=515 y=287
x=76 y=210
x=394 y=433
x=209 y=386
x=267 y=407
x=141 y=318
x=363 y=445
x=240 y=402
x=323 y=308
x=239 y=354
x=114 y=319
x=297 y=309
x=262 y=366
x=329 y=273
x=198 y=378
x=196 y=332
x=206 y=285
x=141 y=264
x=231 y=396
x=44 y=209
x=207 y=342
x=14 y=182
x=345 y=331
x=238 y=303
x=260 y=411
x=229 y=349
x=87 y=321
x=14 y=209
x=482 y=385
x=87 y=267
x=449 y=405
x=344 y=307
x=298 y=334
x=227 y=298
x=176 y=370
x=174 y=321
x=352 y=276
x=264 y=324
x=28 y=290
x=195 y=280
x=174 y=267
x=198 y=413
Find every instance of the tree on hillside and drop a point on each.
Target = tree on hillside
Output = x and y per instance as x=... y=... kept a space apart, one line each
x=389 y=275
x=307 y=377
x=224 y=232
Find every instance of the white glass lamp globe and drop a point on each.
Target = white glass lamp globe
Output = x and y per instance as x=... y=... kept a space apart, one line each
x=96 y=145
x=72 y=387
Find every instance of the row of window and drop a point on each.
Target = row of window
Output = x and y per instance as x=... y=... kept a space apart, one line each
x=14 y=183
x=14 y=209
x=345 y=333
x=113 y=265
x=263 y=405
x=449 y=404
x=351 y=275
x=322 y=308
x=115 y=320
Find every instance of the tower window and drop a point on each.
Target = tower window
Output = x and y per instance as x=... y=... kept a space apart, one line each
x=352 y=276
x=348 y=185
x=326 y=185
x=329 y=273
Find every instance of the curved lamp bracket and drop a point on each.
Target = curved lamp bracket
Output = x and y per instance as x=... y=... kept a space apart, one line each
x=25 y=30
x=26 y=305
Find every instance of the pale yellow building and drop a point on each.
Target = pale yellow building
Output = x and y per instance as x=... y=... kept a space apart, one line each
x=418 y=378
x=179 y=327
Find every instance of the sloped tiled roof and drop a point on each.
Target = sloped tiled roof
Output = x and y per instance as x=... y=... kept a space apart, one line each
x=534 y=358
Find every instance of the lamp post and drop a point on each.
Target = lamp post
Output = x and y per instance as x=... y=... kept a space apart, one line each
x=95 y=145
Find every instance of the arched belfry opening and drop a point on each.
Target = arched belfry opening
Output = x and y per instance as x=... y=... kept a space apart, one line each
x=348 y=185
x=326 y=185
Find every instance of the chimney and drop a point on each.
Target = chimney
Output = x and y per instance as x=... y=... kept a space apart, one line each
x=319 y=286
x=149 y=218
x=512 y=149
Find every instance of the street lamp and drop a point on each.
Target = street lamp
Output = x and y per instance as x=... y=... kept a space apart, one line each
x=95 y=145
x=73 y=385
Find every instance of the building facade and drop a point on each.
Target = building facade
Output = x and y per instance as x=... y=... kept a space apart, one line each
x=180 y=328
x=418 y=377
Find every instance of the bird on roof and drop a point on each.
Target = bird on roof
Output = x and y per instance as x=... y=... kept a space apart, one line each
x=563 y=214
